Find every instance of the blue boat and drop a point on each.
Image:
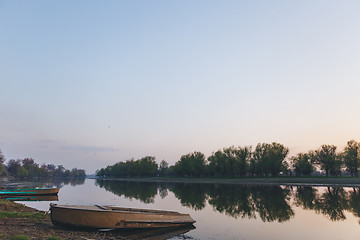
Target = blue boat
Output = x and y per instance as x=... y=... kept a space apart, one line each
x=29 y=191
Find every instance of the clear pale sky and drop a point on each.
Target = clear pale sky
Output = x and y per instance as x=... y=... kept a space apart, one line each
x=89 y=83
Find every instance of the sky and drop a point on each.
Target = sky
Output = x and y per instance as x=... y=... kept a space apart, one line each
x=87 y=84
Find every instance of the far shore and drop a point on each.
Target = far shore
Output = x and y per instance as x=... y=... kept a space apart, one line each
x=345 y=181
x=287 y=181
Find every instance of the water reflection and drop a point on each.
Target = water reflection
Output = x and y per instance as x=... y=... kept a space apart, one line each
x=354 y=202
x=154 y=234
x=332 y=203
x=272 y=203
x=55 y=182
x=305 y=197
x=38 y=198
x=142 y=191
x=190 y=195
x=235 y=202
x=72 y=181
x=269 y=203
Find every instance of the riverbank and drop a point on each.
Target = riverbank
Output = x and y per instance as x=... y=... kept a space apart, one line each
x=288 y=181
x=19 y=222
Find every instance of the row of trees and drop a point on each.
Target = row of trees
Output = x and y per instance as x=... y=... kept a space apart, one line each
x=267 y=159
x=27 y=168
x=144 y=167
x=328 y=160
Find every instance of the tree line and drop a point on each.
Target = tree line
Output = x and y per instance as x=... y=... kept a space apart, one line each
x=27 y=168
x=144 y=167
x=266 y=159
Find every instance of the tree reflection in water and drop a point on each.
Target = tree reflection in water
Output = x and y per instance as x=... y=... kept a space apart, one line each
x=354 y=202
x=269 y=203
x=54 y=182
x=305 y=196
x=233 y=201
x=190 y=194
x=163 y=191
x=71 y=181
x=142 y=191
x=332 y=203
x=272 y=203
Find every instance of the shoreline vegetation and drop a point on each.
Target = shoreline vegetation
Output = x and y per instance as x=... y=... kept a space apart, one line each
x=265 y=160
x=286 y=181
x=27 y=168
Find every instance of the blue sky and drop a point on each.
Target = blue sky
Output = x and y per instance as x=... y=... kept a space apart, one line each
x=90 y=83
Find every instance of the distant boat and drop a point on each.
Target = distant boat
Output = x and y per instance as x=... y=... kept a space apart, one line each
x=109 y=217
x=29 y=191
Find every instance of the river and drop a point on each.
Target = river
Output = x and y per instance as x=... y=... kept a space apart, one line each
x=230 y=211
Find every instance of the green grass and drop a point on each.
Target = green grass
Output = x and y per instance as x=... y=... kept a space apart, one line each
x=5 y=202
x=36 y=215
x=20 y=237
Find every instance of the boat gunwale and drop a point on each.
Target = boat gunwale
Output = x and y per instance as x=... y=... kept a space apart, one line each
x=120 y=210
x=28 y=189
x=168 y=225
x=29 y=192
x=9 y=193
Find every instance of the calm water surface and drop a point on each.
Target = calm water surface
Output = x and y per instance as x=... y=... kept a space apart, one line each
x=226 y=211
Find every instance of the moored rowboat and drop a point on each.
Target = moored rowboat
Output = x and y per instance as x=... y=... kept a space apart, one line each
x=29 y=191
x=111 y=217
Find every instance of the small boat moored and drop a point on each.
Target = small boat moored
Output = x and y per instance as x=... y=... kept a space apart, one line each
x=110 y=217
x=29 y=191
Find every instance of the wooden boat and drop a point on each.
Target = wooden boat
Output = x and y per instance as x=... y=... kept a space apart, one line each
x=110 y=217
x=29 y=191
